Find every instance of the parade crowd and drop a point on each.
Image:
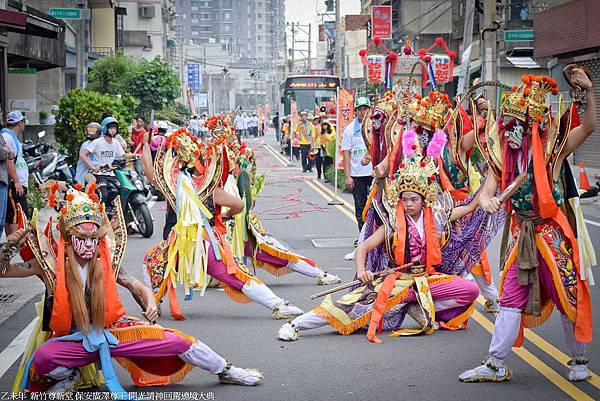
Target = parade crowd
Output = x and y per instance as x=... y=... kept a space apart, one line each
x=433 y=180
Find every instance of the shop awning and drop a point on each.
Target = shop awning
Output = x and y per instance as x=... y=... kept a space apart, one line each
x=523 y=62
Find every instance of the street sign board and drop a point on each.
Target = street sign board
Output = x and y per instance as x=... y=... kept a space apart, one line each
x=381 y=21
x=194 y=77
x=520 y=35
x=65 y=13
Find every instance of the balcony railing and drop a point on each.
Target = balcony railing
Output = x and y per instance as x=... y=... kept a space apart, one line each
x=103 y=51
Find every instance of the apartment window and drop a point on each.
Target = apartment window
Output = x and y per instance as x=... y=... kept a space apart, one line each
x=227 y=4
x=205 y=28
x=204 y=16
x=195 y=3
x=206 y=4
x=195 y=28
x=259 y=37
x=226 y=16
x=260 y=26
x=259 y=15
x=259 y=49
x=226 y=28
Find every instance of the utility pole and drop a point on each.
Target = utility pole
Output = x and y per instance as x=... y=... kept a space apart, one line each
x=309 y=46
x=338 y=40
x=81 y=48
x=293 y=48
x=463 y=79
x=488 y=36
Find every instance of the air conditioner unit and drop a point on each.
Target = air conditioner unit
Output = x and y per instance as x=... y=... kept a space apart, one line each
x=146 y=11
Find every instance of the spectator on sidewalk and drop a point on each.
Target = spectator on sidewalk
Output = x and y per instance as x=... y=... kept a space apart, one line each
x=17 y=170
x=358 y=177
x=5 y=156
x=138 y=133
x=276 y=126
x=305 y=133
x=239 y=124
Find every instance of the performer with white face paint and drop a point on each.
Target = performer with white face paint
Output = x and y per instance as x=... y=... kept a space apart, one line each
x=85 y=321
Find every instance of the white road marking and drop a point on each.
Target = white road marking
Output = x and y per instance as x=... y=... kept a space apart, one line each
x=16 y=348
x=592 y=222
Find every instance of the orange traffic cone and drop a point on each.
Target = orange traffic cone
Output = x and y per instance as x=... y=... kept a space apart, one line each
x=584 y=183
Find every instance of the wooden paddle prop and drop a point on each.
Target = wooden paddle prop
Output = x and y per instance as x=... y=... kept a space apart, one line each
x=382 y=273
x=512 y=188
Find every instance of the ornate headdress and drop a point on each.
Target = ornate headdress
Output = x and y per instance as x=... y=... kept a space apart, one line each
x=186 y=145
x=415 y=174
x=527 y=102
x=429 y=112
x=78 y=207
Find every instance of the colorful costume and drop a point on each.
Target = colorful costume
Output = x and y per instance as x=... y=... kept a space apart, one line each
x=188 y=173
x=463 y=178
x=83 y=320
x=431 y=241
x=250 y=240
x=550 y=253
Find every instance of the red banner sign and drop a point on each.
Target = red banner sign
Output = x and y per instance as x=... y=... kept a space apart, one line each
x=381 y=21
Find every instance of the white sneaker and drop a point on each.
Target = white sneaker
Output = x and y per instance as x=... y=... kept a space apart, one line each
x=286 y=311
x=578 y=372
x=240 y=376
x=489 y=371
x=327 y=279
x=288 y=332
x=66 y=385
x=350 y=256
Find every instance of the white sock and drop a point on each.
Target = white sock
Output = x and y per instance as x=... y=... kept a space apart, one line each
x=261 y=294
x=576 y=348
x=309 y=320
x=60 y=373
x=506 y=330
x=488 y=291
x=305 y=268
x=202 y=356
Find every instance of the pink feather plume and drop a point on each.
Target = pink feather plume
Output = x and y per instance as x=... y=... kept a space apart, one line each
x=409 y=142
x=437 y=143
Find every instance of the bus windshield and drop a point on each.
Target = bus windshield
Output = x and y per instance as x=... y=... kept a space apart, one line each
x=309 y=91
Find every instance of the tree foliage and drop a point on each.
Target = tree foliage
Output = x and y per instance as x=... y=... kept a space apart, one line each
x=80 y=107
x=154 y=84
x=111 y=74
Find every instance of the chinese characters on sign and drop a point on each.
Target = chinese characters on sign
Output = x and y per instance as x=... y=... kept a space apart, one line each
x=194 y=77
x=375 y=68
x=441 y=68
x=381 y=21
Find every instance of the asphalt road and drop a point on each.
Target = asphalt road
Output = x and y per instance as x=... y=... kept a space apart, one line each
x=324 y=365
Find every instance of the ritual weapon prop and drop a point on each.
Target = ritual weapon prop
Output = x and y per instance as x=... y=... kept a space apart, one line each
x=512 y=188
x=10 y=248
x=415 y=269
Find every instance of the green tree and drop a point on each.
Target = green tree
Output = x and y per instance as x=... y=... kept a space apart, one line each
x=111 y=74
x=154 y=84
x=79 y=107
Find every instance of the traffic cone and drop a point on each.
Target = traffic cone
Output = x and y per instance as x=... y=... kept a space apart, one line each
x=584 y=183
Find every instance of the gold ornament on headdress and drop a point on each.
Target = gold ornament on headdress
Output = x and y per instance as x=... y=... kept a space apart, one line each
x=186 y=145
x=527 y=102
x=429 y=112
x=415 y=174
x=77 y=208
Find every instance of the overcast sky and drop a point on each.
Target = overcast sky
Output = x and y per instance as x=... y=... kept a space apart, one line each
x=306 y=11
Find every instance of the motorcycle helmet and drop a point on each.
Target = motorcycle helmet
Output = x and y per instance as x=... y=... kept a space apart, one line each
x=95 y=126
x=108 y=121
x=162 y=127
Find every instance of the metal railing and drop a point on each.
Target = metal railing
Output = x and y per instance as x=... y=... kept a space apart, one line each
x=103 y=51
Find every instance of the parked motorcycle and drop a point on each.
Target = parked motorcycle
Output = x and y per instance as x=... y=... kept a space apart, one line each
x=129 y=186
x=45 y=163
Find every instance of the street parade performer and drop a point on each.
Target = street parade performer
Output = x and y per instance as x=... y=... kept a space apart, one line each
x=463 y=170
x=83 y=319
x=191 y=176
x=419 y=224
x=250 y=239
x=550 y=254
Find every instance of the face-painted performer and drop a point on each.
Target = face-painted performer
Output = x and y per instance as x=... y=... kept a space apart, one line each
x=418 y=224
x=550 y=253
x=83 y=320
x=191 y=176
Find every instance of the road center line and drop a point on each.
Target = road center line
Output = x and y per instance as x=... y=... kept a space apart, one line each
x=553 y=376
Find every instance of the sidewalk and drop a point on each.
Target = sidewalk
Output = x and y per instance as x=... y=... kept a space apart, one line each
x=17 y=292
